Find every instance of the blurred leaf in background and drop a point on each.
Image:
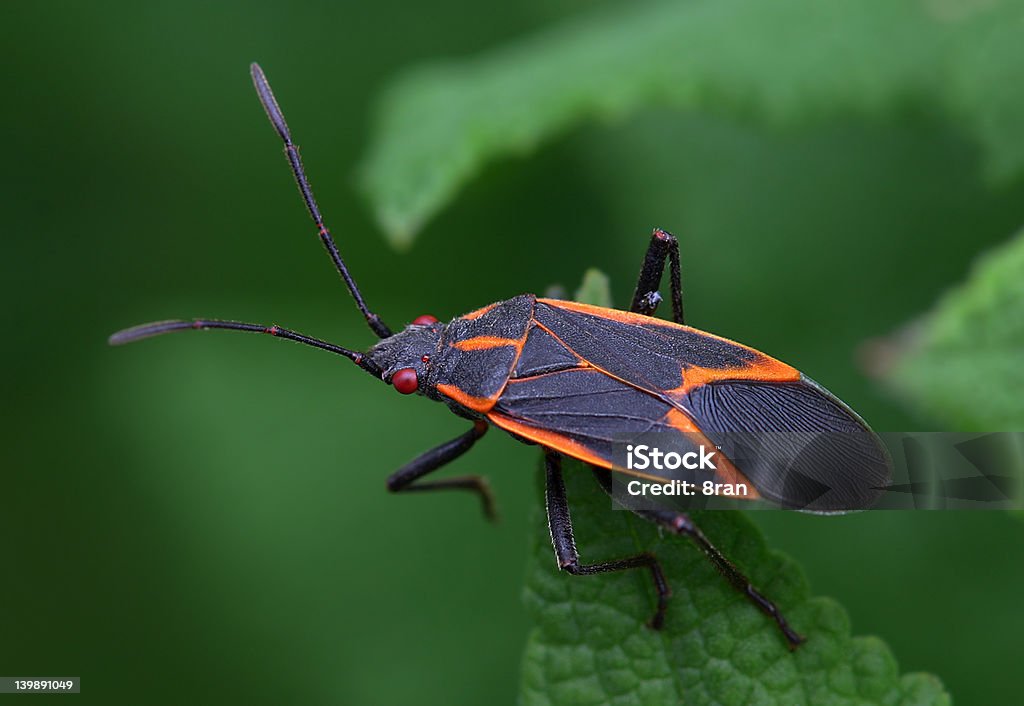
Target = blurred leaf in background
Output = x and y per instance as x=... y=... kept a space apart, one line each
x=779 y=62
x=964 y=363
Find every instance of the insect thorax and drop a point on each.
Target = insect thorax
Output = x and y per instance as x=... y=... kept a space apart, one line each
x=407 y=349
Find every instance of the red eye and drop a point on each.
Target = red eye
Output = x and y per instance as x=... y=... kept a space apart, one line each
x=405 y=381
x=424 y=320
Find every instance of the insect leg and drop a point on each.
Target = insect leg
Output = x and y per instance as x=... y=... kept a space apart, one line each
x=680 y=523
x=646 y=298
x=560 y=526
x=404 y=479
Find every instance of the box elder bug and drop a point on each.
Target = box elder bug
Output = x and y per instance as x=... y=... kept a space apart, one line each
x=570 y=376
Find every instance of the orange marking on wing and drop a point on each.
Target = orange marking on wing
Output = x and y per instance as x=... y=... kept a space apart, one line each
x=763 y=368
x=480 y=343
x=549 y=439
x=725 y=469
x=478 y=313
x=626 y=317
x=682 y=423
x=477 y=404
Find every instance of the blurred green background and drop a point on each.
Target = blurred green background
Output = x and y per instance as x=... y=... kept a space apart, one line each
x=203 y=518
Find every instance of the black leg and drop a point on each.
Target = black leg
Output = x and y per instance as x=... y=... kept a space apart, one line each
x=680 y=523
x=560 y=526
x=404 y=479
x=646 y=298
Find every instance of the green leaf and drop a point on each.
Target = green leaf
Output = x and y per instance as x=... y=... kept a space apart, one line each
x=964 y=363
x=594 y=289
x=589 y=643
x=781 y=62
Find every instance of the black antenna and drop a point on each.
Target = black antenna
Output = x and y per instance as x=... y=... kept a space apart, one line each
x=292 y=152
x=157 y=328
